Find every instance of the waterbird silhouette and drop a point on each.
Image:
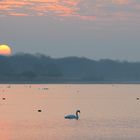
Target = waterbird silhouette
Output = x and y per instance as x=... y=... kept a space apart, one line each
x=72 y=116
x=39 y=110
x=3 y=98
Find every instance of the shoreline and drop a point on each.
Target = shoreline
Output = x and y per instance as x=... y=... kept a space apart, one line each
x=69 y=82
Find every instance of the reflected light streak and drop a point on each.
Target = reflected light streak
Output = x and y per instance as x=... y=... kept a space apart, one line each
x=5 y=131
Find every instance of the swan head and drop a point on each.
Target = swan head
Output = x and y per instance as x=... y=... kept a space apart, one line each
x=77 y=111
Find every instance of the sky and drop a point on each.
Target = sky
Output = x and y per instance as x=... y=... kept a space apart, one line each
x=97 y=29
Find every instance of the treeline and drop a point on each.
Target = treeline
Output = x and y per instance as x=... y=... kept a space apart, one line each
x=43 y=69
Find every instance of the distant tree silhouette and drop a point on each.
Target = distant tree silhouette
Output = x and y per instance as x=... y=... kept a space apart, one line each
x=30 y=75
x=27 y=67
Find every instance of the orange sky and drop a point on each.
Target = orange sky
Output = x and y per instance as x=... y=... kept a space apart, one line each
x=90 y=28
x=83 y=9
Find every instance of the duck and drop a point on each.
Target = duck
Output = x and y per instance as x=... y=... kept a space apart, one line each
x=72 y=116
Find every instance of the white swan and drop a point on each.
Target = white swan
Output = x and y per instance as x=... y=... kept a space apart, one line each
x=72 y=116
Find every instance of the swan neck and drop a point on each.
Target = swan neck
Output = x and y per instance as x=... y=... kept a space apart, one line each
x=77 y=115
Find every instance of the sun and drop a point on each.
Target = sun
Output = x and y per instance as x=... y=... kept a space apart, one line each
x=5 y=50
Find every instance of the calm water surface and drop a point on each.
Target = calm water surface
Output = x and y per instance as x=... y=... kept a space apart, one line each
x=108 y=112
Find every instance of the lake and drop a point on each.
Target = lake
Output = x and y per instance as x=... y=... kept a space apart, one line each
x=108 y=112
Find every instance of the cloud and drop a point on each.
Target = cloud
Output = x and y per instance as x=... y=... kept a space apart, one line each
x=18 y=14
x=121 y=2
x=82 y=9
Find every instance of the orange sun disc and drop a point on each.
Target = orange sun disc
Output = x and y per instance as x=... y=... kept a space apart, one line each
x=5 y=50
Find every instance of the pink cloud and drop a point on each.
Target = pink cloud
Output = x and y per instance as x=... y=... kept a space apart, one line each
x=18 y=14
x=121 y=2
x=81 y=9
